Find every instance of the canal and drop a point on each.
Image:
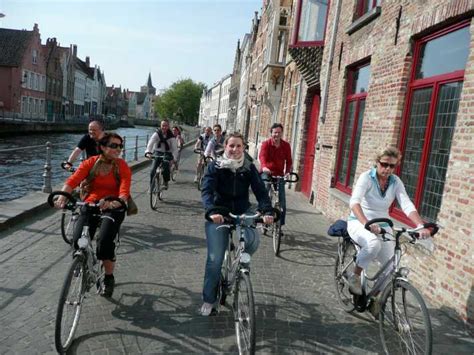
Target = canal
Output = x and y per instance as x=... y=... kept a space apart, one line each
x=31 y=161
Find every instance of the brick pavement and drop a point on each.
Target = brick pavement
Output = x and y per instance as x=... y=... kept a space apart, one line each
x=159 y=279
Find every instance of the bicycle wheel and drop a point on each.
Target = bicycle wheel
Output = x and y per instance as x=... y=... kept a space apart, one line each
x=276 y=233
x=244 y=314
x=404 y=321
x=70 y=304
x=344 y=261
x=174 y=173
x=68 y=221
x=155 y=192
x=223 y=282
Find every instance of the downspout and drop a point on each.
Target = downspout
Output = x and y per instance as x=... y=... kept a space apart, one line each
x=332 y=45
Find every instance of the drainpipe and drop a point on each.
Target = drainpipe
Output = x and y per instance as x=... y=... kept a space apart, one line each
x=332 y=45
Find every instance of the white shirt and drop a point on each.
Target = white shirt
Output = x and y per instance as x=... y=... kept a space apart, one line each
x=368 y=194
x=153 y=145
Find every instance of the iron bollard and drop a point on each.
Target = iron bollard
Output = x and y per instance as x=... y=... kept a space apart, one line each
x=124 y=151
x=136 y=148
x=47 y=170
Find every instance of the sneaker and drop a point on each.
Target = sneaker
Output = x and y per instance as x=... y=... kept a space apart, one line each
x=354 y=284
x=206 y=309
x=196 y=179
x=109 y=283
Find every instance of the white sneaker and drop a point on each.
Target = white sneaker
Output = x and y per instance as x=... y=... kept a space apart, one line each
x=195 y=179
x=354 y=284
x=206 y=309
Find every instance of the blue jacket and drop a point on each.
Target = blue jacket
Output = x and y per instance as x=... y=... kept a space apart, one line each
x=224 y=188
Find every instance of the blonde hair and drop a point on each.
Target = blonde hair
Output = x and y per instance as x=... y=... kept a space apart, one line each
x=390 y=152
x=234 y=135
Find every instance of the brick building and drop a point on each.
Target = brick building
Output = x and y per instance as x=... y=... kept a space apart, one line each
x=22 y=73
x=401 y=73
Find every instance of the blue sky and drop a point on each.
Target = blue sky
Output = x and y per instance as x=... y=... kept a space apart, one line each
x=174 y=39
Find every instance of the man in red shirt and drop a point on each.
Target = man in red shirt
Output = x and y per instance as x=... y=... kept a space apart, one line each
x=275 y=160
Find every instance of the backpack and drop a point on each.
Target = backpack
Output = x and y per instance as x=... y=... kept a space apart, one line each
x=85 y=186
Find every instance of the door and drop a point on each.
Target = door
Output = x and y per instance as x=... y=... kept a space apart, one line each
x=307 y=178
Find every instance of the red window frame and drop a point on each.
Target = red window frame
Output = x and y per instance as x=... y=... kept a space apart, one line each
x=362 y=4
x=415 y=84
x=295 y=42
x=350 y=97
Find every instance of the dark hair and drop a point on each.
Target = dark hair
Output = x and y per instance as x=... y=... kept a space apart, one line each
x=179 y=129
x=217 y=125
x=107 y=138
x=276 y=125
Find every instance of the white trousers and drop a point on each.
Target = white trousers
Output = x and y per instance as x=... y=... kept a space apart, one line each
x=372 y=246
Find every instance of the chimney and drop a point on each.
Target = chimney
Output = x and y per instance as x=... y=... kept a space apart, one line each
x=35 y=28
x=74 y=51
x=88 y=62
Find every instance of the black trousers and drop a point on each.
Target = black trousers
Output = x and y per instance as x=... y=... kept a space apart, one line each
x=109 y=228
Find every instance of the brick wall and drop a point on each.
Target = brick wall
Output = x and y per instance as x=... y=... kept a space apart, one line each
x=446 y=276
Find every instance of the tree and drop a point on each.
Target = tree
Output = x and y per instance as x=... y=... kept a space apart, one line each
x=181 y=101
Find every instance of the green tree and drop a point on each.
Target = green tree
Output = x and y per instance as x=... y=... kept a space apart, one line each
x=181 y=101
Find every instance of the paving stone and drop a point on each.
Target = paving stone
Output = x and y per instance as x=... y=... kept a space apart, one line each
x=159 y=275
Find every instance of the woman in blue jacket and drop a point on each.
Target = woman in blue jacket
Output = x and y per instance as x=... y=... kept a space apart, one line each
x=226 y=184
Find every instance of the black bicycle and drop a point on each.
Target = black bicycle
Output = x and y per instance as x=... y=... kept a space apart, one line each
x=69 y=216
x=156 y=186
x=404 y=321
x=85 y=272
x=202 y=168
x=272 y=184
x=235 y=278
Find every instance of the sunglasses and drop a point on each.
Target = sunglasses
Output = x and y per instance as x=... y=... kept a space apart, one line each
x=384 y=164
x=115 y=145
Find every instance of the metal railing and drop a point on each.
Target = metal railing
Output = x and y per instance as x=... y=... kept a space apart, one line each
x=133 y=145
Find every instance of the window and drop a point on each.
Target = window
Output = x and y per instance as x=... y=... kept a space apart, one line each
x=364 y=6
x=430 y=119
x=311 y=22
x=357 y=85
x=35 y=56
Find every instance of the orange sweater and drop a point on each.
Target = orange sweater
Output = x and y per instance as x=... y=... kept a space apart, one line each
x=102 y=186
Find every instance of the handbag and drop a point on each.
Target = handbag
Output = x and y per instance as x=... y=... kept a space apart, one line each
x=132 y=207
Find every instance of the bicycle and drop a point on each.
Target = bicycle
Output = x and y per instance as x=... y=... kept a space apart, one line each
x=404 y=321
x=68 y=216
x=272 y=184
x=235 y=278
x=202 y=169
x=84 y=272
x=156 y=189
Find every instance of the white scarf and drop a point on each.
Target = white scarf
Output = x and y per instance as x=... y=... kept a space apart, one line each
x=233 y=164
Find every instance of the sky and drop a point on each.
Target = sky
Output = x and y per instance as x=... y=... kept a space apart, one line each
x=172 y=39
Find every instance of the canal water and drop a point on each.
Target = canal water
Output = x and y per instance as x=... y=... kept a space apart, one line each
x=31 y=161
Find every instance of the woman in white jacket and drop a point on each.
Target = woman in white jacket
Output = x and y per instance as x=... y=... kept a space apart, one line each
x=372 y=196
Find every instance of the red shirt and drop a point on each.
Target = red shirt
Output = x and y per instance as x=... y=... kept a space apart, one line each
x=102 y=186
x=277 y=159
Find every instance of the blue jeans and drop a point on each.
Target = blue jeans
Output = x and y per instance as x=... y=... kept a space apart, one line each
x=281 y=195
x=217 y=241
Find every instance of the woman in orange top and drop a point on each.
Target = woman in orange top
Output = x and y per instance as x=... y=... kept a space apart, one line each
x=108 y=175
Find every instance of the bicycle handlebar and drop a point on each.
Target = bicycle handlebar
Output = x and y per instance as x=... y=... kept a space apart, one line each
x=230 y=218
x=71 y=169
x=72 y=202
x=434 y=228
x=291 y=177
